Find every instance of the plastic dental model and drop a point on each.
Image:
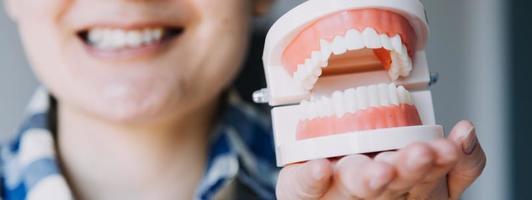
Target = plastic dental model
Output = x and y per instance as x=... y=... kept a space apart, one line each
x=348 y=77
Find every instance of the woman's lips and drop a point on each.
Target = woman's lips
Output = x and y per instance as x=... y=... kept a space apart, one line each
x=118 y=43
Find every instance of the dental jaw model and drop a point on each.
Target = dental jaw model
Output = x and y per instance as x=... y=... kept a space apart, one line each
x=348 y=77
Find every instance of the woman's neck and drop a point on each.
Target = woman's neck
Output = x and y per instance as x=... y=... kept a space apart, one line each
x=109 y=161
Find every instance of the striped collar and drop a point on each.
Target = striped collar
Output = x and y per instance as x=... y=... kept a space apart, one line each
x=240 y=153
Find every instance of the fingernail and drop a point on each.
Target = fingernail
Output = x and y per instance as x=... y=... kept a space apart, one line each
x=470 y=143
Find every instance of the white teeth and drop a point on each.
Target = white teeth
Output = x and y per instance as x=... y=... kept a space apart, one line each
x=392 y=94
x=325 y=50
x=383 y=95
x=339 y=47
x=354 y=40
x=371 y=39
x=397 y=44
x=395 y=66
x=134 y=39
x=307 y=72
x=385 y=41
x=338 y=102
x=110 y=39
x=362 y=98
x=350 y=100
x=353 y=100
x=373 y=96
x=404 y=95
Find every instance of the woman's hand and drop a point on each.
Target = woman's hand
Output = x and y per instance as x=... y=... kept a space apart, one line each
x=418 y=171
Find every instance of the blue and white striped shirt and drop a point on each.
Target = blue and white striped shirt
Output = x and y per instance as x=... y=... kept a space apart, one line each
x=241 y=153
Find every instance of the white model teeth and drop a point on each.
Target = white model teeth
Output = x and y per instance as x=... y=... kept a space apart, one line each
x=353 y=100
x=307 y=73
x=112 y=39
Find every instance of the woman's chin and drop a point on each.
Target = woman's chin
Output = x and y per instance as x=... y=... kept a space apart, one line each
x=128 y=108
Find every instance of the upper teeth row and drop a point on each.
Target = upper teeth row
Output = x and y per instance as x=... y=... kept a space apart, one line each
x=353 y=100
x=308 y=73
x=104 y=38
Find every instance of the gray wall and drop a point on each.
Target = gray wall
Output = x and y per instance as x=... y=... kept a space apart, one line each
x=466 y=48
x=16 y=80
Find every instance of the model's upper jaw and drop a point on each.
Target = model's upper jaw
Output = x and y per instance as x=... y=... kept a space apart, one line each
x=351 y=41
x=109 y=38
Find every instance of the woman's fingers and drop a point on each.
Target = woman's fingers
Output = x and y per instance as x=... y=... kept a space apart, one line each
x=412 y=163
x=472 y=159
x=434 y=185
x=359 y=177
x=307 y=181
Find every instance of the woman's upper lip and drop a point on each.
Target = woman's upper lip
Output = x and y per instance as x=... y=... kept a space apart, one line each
x=129 y=24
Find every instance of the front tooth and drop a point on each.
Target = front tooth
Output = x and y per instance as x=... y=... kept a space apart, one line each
x=354 y=40
x=338 y=102
x=325 y=52
x=383 y=95
x=118 y=38
x=134 y=39
x=338 y=45
x=397 y=44
x=392 y=93
x=362 y=97
x=107 y=40
x=371 y=38
x=328 y=107
x=350 y=100
x=373 y=96
x=385 y=40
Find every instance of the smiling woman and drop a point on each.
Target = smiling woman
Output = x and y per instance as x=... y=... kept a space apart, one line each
x=136 y=103
x=137 y=84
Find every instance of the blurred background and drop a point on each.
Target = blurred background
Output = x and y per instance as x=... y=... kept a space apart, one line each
x=479 y=48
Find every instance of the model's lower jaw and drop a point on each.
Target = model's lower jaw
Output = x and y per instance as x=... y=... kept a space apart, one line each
x=108 y=42
x=364 y=108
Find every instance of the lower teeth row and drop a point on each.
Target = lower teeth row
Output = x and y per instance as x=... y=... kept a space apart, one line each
x=353 y=100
